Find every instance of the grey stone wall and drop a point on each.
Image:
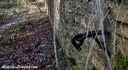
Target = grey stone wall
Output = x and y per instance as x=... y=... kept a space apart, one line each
x=79 y=16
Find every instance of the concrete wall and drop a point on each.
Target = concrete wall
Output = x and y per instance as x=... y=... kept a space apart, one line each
x=78 y=16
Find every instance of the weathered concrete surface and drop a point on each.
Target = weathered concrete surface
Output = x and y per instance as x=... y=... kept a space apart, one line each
x=119 y=16
x=122 y=44
x=121 y=10
x=74 y=16
x=122 y=30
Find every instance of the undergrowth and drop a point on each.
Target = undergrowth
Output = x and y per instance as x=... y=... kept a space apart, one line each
x=13 y=31
x=121 y=61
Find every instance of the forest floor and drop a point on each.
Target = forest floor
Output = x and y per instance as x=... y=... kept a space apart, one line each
x=30 y=43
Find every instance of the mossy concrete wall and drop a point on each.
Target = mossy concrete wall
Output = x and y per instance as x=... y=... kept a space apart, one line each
x=78 y=16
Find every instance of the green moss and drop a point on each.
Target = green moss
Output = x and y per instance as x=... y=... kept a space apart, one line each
x=94 y=68
x=21 y=27
x=6 y=5
x=3 y=38
x=121 y=61
x=3 y=14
